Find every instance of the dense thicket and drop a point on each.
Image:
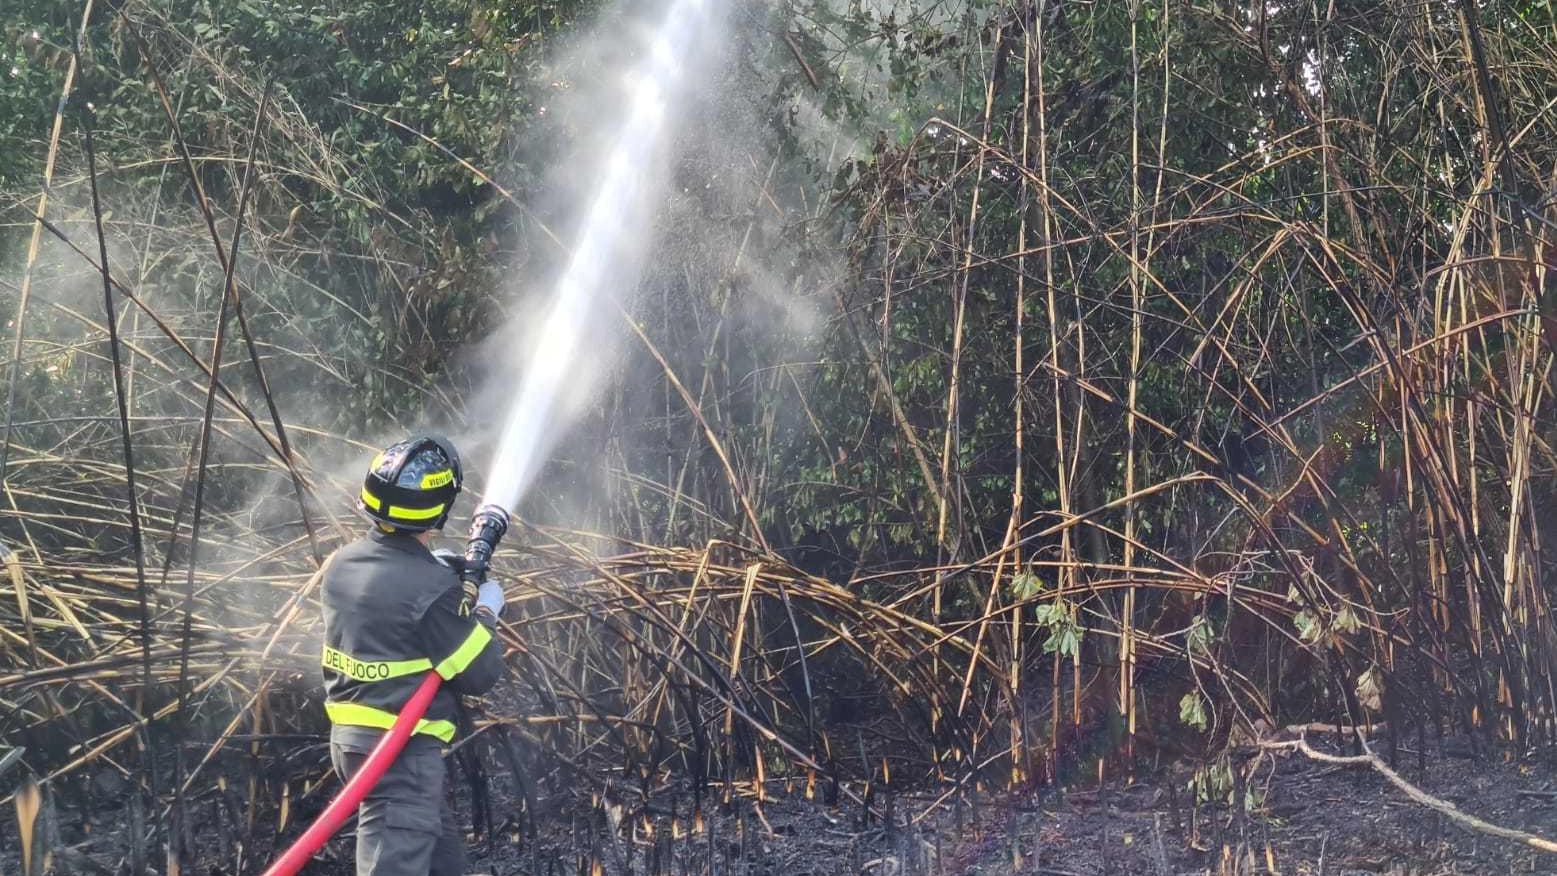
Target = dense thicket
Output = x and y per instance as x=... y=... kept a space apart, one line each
x=1167 y=367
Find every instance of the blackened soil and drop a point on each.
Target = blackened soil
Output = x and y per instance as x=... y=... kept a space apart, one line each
x=1299 y=817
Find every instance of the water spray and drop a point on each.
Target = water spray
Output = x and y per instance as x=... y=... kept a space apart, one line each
x=532 y=422
x=620 y=194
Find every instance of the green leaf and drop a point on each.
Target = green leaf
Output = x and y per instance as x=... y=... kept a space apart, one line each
x=1202 y=633
x=1192 y=710
x=1308 y=626
x=1346 y=621
x=1026 y=585
x=1070 y=642
x=1370 y=689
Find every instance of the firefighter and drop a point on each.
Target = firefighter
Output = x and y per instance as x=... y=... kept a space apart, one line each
x=393 y=610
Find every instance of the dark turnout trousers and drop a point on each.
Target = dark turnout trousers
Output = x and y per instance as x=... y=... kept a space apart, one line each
x=404 y=825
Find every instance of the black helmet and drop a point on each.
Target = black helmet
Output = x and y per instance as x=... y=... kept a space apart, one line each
x=412 y=485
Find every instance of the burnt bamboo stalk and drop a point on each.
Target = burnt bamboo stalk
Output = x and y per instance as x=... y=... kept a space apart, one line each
x=225 y=259
x=1533 y=605
x=805 y=671
x=723 y=692
x=144 y=267
x=1450 y=300
x=127 y=445
x=35 y=243
x=878 y=369
x=1521 y=391
x=255 y=705
x=1430 y=458
x=1490 y=102
x=1414 y=428
x=228 y=397
x=670 y=435
x=713 y=439
x=229 y=296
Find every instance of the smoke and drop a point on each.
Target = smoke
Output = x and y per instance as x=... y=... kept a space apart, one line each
x=686 y=164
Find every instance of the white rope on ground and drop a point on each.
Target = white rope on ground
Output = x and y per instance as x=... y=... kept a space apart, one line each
x=1437 y=804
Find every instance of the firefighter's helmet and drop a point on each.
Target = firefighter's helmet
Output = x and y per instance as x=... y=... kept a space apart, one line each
x=412 y=484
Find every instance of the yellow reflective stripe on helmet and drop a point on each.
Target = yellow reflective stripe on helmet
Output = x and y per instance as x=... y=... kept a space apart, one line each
x=370 y=670
x=466 y=653
x=358 y=715
x=434 y=480
x=399 y=513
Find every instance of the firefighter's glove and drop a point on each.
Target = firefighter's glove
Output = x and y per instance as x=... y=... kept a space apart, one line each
x=490 y=597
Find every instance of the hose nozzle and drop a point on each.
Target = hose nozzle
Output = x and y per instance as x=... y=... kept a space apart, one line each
x=486 y=530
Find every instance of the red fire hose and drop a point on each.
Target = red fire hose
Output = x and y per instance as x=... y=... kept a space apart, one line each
x=345 y=803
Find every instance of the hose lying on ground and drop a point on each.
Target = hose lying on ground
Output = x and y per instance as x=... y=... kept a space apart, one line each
x=362 y=781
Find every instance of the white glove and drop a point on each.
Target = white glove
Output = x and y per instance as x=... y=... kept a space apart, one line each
x=490 y=597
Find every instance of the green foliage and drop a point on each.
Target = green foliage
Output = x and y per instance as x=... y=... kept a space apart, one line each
x=1213 y=782
x=1059 y=621
x=1192 y=710
x=1026 y=585
x=34 y=54
x=1309 y=626
x=1201 y=636
x=377 y=248
x=1216 y=783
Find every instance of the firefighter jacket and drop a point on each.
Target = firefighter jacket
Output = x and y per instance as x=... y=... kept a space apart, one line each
x=391 y=613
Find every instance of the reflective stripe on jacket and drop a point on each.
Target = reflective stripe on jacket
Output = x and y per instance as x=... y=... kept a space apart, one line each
x=391 y=613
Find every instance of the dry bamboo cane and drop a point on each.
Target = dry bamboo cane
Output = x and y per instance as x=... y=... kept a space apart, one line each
x=1061 y=468
x=950 y=442
x=1019 y=765
x=1126 y=700
x=226 y=259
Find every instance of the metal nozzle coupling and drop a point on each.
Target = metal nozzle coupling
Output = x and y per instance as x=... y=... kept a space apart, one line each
x=486 y=530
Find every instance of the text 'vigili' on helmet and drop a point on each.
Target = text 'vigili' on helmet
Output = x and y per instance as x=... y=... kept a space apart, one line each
x=412 y=484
